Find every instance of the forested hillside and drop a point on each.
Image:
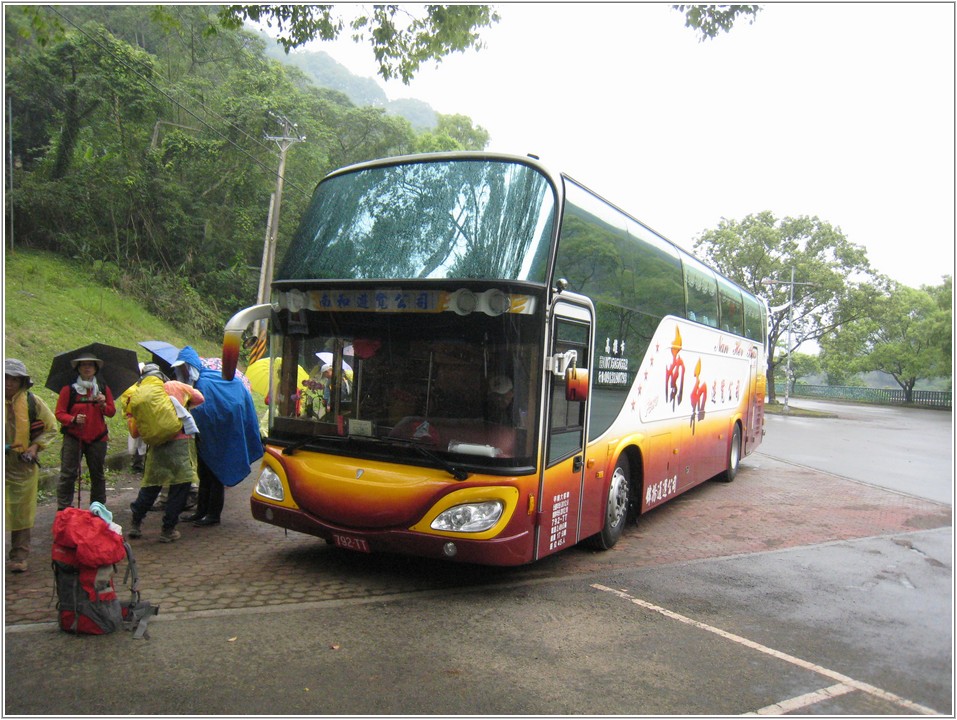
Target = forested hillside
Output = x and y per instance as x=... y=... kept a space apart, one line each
x=325 y=71
x=138 y=145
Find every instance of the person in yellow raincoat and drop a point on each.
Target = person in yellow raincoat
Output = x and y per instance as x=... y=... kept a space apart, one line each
x=30 y=427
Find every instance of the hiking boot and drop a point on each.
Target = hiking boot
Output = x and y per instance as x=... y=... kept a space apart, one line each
x=18 y=566
x=168 y=536
x=135 y=531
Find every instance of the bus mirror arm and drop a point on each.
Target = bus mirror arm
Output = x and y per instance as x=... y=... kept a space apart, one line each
x=233 y=335
x=559 y=364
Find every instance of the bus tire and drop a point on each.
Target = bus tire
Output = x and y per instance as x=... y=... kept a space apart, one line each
x=734 y=455
x=616 y=507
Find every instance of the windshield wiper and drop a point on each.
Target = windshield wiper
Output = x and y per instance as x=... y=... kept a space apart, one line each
x=453 y=470
x=291 y=448
x=456 y=472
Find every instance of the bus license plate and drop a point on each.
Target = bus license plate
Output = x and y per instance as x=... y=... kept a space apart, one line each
x=350 y=543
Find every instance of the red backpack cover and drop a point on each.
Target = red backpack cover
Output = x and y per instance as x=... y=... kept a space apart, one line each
x=85 y=553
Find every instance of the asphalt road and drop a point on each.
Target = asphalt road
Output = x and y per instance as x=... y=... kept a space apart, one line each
x=905 y=449
x=789 y=590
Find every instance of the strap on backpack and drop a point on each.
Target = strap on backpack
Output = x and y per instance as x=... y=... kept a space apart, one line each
x=136 y=612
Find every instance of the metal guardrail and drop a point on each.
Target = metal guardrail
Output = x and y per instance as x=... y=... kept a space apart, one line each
x=879 y=396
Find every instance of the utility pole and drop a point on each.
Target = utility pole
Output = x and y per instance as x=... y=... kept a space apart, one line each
x=10 y=195
x=787 y=379
x=284 y=141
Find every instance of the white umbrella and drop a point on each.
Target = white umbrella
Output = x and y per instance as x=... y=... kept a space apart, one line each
x=326 y=359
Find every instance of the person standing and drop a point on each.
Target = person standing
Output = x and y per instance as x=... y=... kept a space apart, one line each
x=229 y=440
x=171 y=463
x=30 y=426
x=82 y=409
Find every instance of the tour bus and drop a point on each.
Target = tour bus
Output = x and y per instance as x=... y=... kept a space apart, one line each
x=481 y=360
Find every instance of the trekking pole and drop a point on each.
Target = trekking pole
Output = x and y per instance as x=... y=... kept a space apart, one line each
x=79 y=476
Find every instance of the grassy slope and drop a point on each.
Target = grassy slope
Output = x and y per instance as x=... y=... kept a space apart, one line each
x=52 y=304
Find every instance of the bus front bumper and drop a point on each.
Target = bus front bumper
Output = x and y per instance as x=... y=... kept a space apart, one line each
x=513 y=549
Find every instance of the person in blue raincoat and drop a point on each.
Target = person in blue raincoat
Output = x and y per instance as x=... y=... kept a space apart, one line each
x=229 y=441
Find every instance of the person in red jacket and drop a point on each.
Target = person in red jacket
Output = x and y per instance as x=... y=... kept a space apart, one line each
x=81 y=409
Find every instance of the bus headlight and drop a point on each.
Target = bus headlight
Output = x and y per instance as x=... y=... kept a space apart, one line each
x=471 y=517
x=269 y=485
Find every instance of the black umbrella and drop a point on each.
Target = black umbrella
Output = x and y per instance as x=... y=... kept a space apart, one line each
x=120 y=368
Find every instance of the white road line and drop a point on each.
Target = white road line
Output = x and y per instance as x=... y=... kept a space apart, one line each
x=833 y=675
x=802 y=701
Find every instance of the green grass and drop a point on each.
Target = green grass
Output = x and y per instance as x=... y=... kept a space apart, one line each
x=52 y=304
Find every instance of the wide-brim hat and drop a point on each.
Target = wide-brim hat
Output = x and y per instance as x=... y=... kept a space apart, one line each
x=86 y=358
x=16 y=368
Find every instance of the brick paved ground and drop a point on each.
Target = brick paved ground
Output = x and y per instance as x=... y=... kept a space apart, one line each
x=242 y=563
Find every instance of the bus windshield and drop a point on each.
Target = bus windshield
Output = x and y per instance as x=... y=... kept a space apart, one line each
x=385 y=383
x=465 y=219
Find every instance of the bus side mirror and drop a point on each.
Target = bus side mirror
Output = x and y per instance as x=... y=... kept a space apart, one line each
x=576 y=384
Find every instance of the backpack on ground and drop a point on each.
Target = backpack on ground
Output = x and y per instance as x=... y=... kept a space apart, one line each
x=154 y=413
x=85 y=553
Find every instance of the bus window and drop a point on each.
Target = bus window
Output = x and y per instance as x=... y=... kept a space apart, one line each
x=755 y=321
x=702 y=290
x=567 y=425
x=494 y=219
x=732 y=310
x=633 y=277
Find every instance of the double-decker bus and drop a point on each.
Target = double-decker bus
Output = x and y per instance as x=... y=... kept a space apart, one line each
x=484 y=361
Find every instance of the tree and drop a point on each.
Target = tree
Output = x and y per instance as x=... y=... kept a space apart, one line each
x=452 y=132
x=803 y=365
x=832 y=271
x=400 y=41
x=907 y=334
x=709 y=20
x=139 y=145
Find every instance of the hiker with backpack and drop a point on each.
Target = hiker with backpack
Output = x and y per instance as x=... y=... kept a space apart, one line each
x=82 y=409
x=157 y=410
x=30 y=426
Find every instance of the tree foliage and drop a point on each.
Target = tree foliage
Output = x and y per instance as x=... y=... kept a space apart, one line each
x=400 y=40
x=139 y=143
x=833 y=284
x=907 y=333
x=709 y=20
x=453 y=132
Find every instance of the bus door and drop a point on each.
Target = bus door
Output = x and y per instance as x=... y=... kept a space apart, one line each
x=560 y=488
x=755 y=414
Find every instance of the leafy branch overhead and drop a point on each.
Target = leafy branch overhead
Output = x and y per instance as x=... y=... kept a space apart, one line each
x=709 y=20
x=400 y=40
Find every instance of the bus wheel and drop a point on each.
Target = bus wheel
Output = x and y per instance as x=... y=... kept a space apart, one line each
x=616 y=508
x=734 y=455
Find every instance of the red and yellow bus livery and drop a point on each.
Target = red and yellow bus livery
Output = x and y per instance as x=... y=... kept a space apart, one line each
x=498 y=364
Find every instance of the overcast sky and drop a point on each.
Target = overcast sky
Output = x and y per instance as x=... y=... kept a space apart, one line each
x=843 y=111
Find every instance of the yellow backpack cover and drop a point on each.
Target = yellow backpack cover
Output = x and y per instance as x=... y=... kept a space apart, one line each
x=153 y=411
